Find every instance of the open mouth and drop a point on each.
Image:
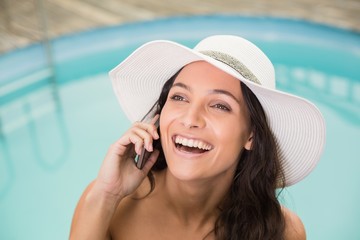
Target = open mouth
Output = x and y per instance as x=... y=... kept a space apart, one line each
x=191 y=145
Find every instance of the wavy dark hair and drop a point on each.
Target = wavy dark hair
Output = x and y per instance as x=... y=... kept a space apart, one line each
x=251 y=209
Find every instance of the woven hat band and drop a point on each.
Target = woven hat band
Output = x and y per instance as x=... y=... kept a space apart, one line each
x=233 y=63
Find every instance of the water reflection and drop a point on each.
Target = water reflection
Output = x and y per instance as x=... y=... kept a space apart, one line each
x=7 y=170
x=32 y=128
x=336 y=92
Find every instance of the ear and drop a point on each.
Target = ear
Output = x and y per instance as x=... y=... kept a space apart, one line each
x=248 y=144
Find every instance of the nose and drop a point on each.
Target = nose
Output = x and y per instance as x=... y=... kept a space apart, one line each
x=193 y=117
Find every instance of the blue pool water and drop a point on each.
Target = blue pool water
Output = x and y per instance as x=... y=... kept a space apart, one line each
x=55 y=129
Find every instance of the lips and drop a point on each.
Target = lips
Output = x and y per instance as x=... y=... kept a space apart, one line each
x=191 y=145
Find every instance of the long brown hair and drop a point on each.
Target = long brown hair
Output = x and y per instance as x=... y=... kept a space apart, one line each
x=251 y=209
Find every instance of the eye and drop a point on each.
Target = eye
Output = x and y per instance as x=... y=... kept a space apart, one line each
x=176 y=97
x=222 y=107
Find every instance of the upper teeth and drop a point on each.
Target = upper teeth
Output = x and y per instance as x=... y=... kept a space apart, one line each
x=192 y=143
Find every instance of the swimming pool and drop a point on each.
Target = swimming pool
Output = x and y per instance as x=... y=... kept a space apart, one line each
x=55 y=129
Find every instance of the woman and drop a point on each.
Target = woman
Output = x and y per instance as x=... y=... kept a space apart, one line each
x=227 y=140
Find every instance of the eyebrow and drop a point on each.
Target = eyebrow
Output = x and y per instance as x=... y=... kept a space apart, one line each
x=221 y=91
x=182 y=85
x=213 y=91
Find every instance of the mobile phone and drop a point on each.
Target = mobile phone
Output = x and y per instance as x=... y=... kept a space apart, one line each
x=141 y=159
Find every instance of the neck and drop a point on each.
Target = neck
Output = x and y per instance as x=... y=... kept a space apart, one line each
x=197 y=200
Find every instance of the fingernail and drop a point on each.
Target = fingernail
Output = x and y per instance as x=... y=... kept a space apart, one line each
x=156 y=134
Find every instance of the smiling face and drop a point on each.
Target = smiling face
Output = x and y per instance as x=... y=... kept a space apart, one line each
x=204 y=123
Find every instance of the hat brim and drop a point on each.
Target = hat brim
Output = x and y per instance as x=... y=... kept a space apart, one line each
x=297 y=124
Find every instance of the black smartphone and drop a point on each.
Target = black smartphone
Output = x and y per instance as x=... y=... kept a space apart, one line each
x=141 y=159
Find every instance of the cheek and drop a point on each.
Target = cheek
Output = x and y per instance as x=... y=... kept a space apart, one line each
x=165 y=118
x=231 y=139
x=168 y=114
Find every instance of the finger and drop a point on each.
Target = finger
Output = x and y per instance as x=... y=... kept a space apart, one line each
x=151 y=161
x=156 y=123
x=130 y=139
x=146 y=137
x=148 y=127
x=137 y=137
x=155 y=118
x=143 y=130
x=138 y=143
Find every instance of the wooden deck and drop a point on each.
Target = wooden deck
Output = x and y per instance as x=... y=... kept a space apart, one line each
x=23 y=22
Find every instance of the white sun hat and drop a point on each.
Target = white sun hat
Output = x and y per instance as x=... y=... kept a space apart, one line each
x=297 y=124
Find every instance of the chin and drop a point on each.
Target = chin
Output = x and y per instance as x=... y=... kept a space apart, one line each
x=186 y=171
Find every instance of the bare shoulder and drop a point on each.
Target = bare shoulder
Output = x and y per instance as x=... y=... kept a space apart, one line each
x=294 y=227
x=130 y=218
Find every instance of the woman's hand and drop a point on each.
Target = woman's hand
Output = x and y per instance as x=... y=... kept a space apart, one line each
x=117 y=178
x=118 y=175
